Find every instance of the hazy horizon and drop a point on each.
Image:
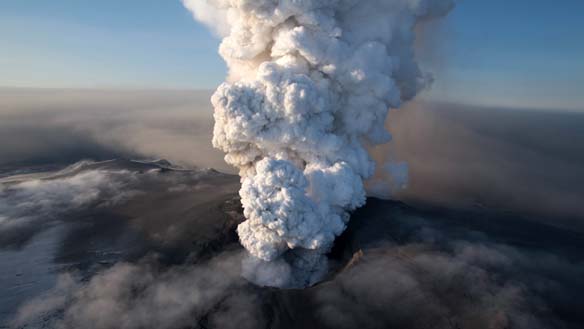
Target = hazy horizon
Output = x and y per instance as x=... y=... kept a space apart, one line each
x=67 y=125
x=527 y=59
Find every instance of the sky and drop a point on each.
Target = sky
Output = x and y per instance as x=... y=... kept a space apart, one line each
x=521 y=53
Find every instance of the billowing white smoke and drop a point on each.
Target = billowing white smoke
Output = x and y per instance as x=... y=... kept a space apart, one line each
x=310 y=85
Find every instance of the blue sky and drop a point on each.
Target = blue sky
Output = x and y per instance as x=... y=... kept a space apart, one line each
x=522 y=53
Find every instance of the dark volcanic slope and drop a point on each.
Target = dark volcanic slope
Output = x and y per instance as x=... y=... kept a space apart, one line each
x=126 y=210
x=146 y=245
x=400 y=267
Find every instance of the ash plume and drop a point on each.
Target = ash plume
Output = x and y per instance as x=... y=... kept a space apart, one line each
x=310 y=86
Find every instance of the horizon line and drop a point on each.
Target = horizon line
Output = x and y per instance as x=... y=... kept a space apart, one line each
x=420 y=100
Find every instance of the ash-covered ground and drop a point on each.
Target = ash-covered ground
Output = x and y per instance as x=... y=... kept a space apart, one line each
x=130 y=244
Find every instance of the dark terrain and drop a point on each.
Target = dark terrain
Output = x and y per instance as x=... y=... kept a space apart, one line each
x=166 y=256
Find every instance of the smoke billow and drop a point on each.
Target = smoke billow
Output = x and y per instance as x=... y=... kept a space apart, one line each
x=310 y=86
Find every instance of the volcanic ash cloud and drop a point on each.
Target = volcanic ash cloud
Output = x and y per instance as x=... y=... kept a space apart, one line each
x=310 y=85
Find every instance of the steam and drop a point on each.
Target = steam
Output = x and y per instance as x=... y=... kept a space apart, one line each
x=310 y=86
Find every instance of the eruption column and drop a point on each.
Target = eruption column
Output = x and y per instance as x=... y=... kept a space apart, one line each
x=310 y=85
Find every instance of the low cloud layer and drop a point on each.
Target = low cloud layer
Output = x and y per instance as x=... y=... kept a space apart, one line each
x=144 y=295
x=408 y=270
x=31 y=206
x=92 y=215
x=436 y=282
